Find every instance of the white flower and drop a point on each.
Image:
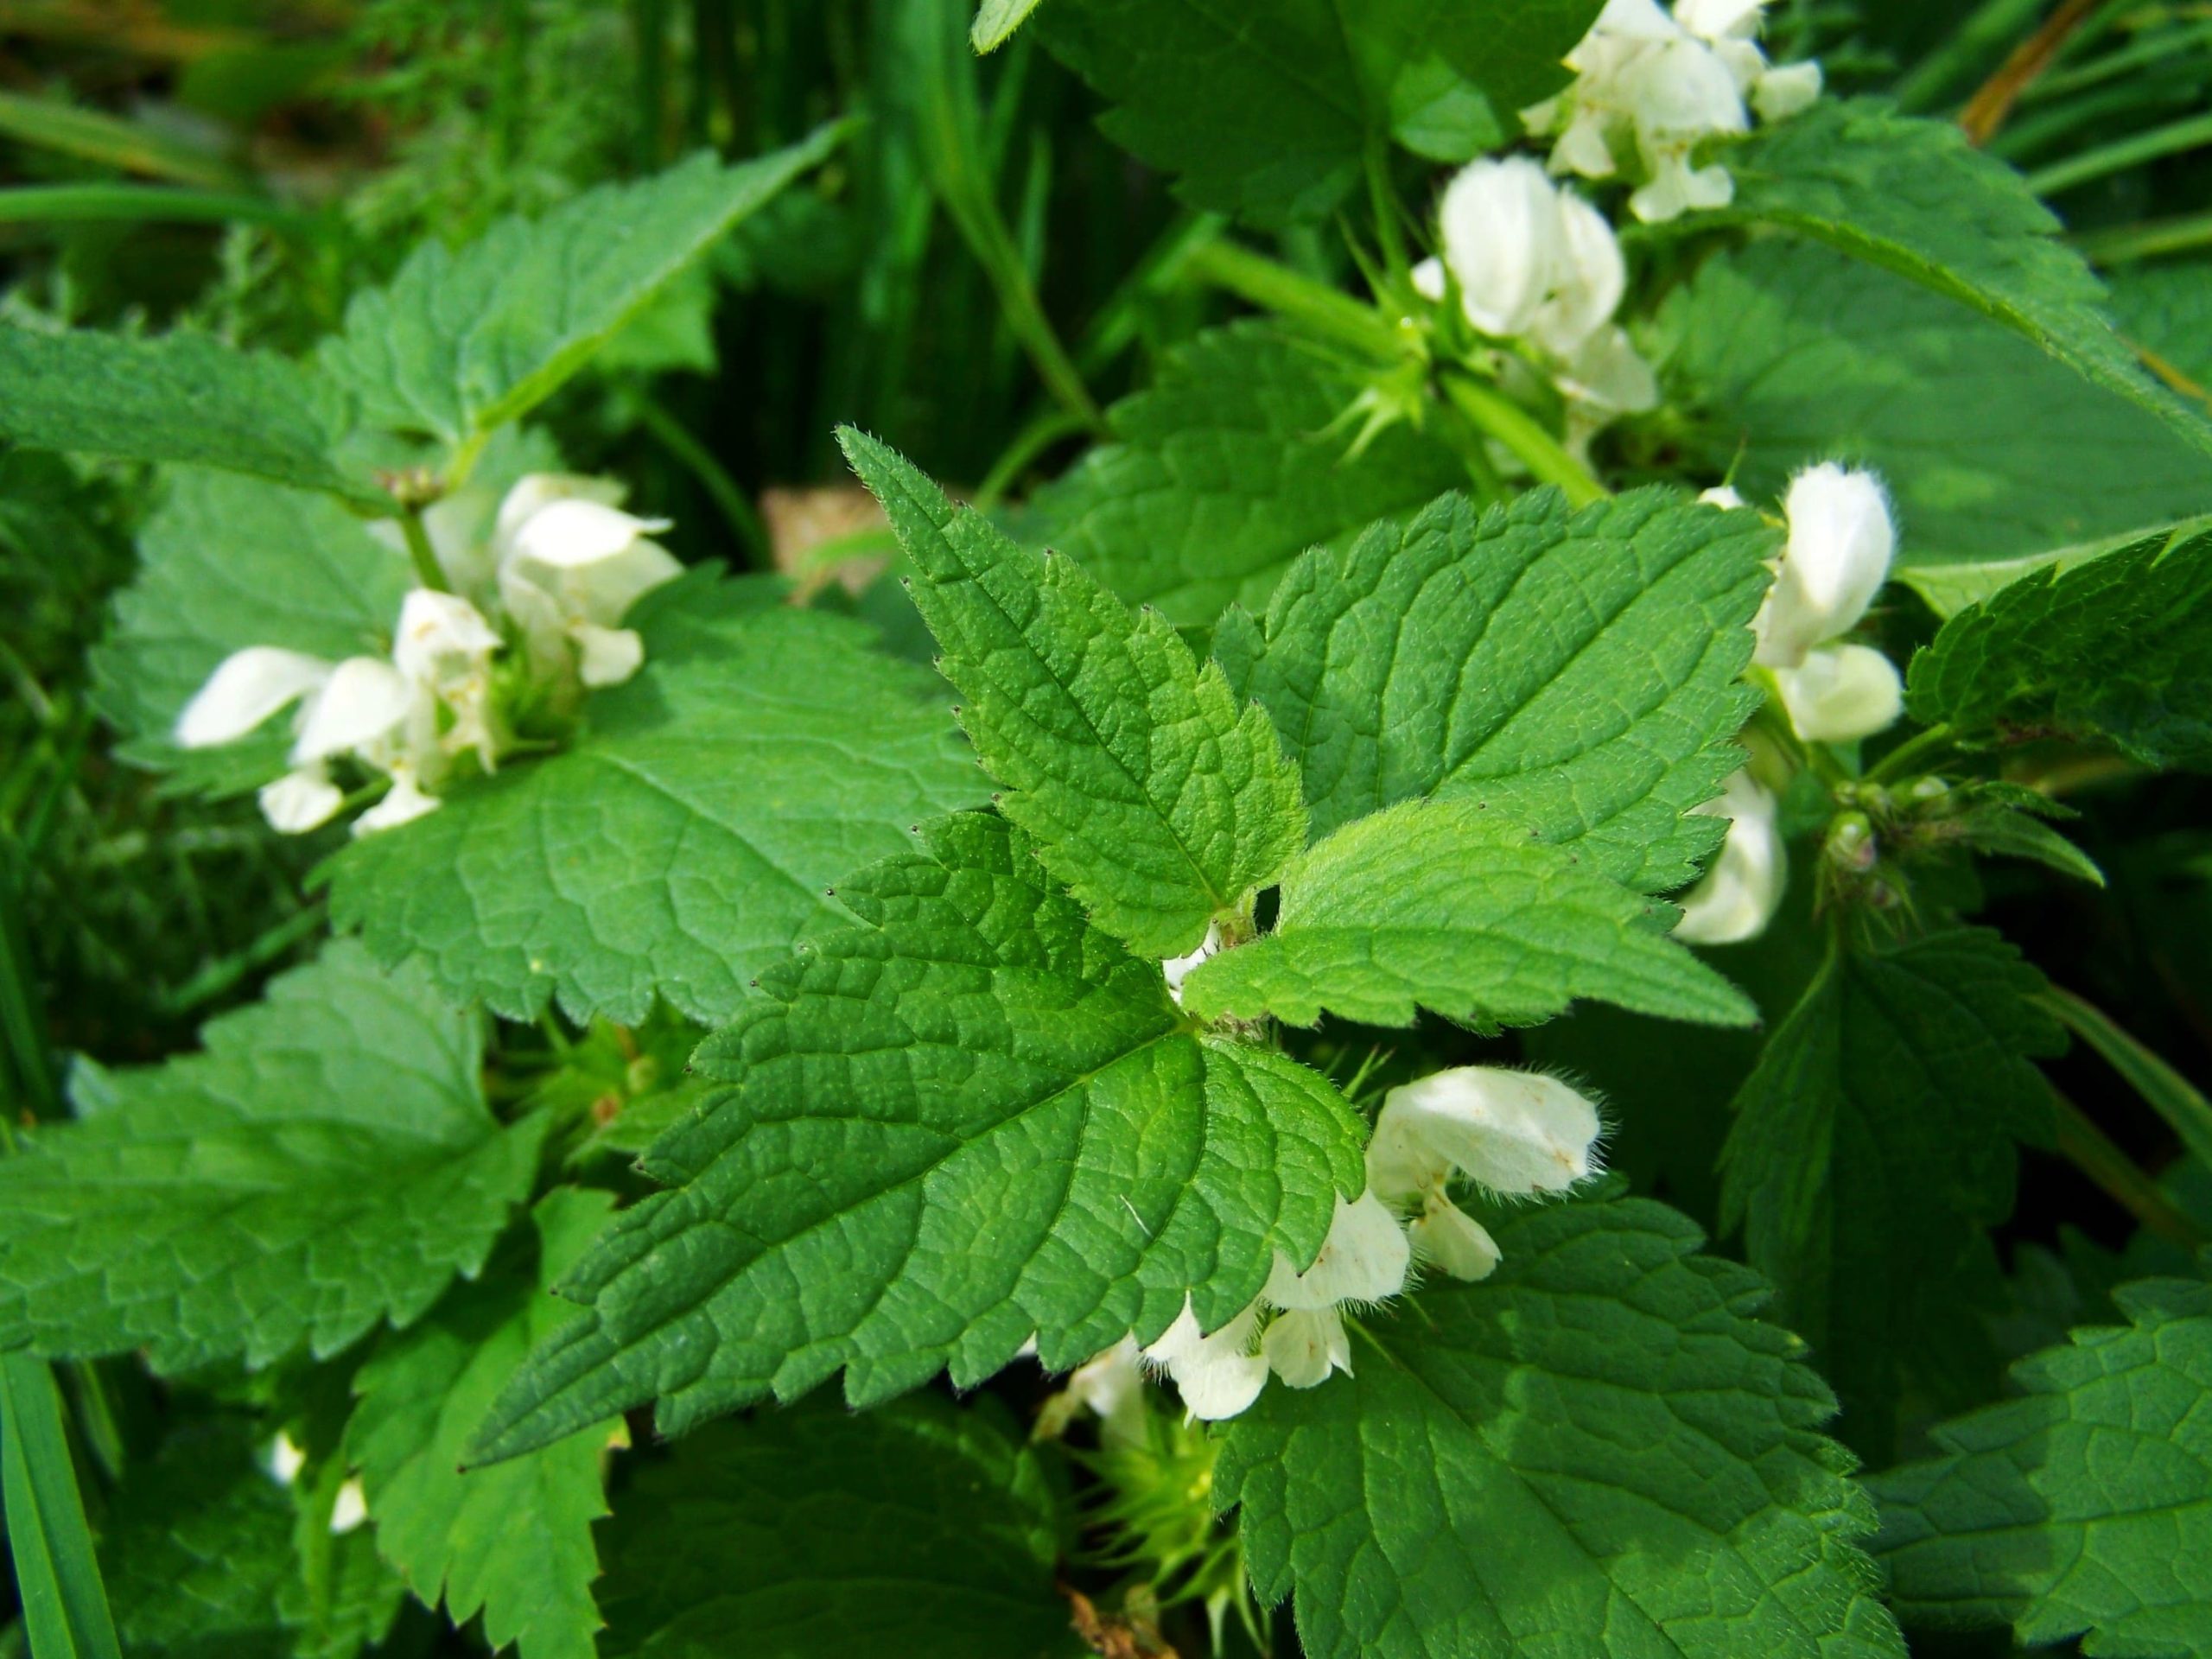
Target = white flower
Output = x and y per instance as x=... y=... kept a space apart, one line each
x=1363 y=1259
x=1428 y=279
x=1177 y=969
x=284 y=1459
x=365 y=699
x=1515 y=1132
x=570 y=563
x=301 y=800
x=1111 y=1385
x=1840 y=693
x=445 y=646
x=1303 y=1345
x=1790 y=90
x=1740 y=893
x=1608 y=376
x=1841 y=540
x=349 y=1509
x=1723 y=496
x=1219 y=1375
x=247 y=688
x=1531 y=259
x=1446 y=1236
x=404 y=803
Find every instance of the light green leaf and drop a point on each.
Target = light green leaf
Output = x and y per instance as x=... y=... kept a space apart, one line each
x=512 y=1542
x=1914 y=197
x=1444 y=904
x=688 y=838
x=226 y=563
x=459 y=343
x=180 y=397
x=973 y=1118
x=996 y=21
x=1267 y=113
x=1875 y=1141
x=2118 y=648
x=923 y=1529
x=2081 y=1509
x=1993 y=452
x=1598 y=1450
x=328 y=1163
x=1576 y=673
x=1150 y=793
x=1233 y=463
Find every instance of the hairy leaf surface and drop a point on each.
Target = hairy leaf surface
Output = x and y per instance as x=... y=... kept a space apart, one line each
x=1574 y=673
x=1442 y=904
x=512 y=1542
x=327 y=1164
x=973 y=1118
x=688 y=838
x=2082 y=1508
x=921 y=1529
x=1156 y=798
x=1231 y=465
x=1875 y=1141
x=1597 y=1450
x=2119 y=647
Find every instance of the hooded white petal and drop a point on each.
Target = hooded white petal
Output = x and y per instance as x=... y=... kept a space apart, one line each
x=247 y=688
x=1363 y=1260
x=1777 y=94
x=1428 y=279
x=1502 y=238
x=607 y=656
x=1219 y=1375
x=534 y=492
x=1446 y=1236
x=440 y=635
x=1720 y=20
x=1841 y=540
x=1303 y=1346
x=1723 y=496
x=1840 y=693
x=1743 y=888
x=1512 y=1131
x=1111 y=1385
x=284 y=1459
x=349 y=1509
x=1587 y=279
x=365 y=699
x=299 y=801
x=403 y=804
x=568 y=533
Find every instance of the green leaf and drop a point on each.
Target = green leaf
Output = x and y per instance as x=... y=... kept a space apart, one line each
x=180 y=397
x=1149 y=791
x=1267 y=113
x=1993 y=452
x=923 y=1529
x=996 y=21
x=687 y=839
x=1597 y=1450
x=327 y=1164
x=226 y=563
x=1442 y=904
x=973 y=1118
x=57 y=1587
x=201 y=1559
x=2165 y=310
x=459 y=343
x=2007 y=832
x=2118 y=648
x=1227 y=467
x=1575 y=672
x=1872 y=1145
x=2081 y=1509
x=514 y=1542
x=1914 y=197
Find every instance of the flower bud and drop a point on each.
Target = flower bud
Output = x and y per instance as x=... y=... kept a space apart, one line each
x=1512 y=1131
x=1363 y=1260
x=1841 y=540
x=1840 y=693
x=247 y=688
x=1743 y=888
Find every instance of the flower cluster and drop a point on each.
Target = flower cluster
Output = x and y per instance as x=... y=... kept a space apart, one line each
x=1534 y=262
x=1841 y=540
x=1649 y=87
x=545 y=594
x=1513 y=1133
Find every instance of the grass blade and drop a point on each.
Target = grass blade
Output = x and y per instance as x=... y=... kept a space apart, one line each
x=57 y=1577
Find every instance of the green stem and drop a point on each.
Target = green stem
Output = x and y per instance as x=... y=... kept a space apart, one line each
x=1044 y=429
x=134 y=204
x=1272 y=286
x=1913 y=752
x=736 y=508
x=2168 y=1093
x=1389 y=236
x=2169 y=140
x=2181 y=234
x=2090 y=1150
x=1500 y=417
x=427 y=571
